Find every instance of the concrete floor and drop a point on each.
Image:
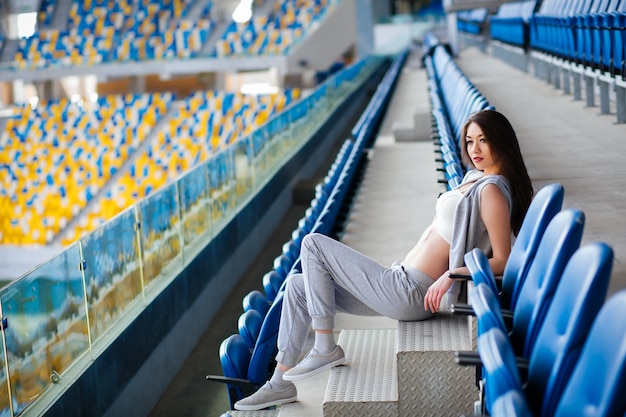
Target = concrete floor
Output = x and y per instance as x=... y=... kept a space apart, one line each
x=561 y=140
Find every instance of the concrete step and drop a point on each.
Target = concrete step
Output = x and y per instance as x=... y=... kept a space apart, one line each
x=408 y=371
x=367 y=384
x=430 y=383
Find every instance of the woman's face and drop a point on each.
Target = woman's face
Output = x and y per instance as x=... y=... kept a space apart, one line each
x=479 y=151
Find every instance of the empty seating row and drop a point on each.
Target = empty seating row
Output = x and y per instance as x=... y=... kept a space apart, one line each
x=57 y=156
x=204 y=123
x=453 y=98
x=472 y=21
x=583 y=39
x=532 y=327
x=568 y=41
x=510 y=23
x=274 y=34
x=247 y=357
x=102 y=31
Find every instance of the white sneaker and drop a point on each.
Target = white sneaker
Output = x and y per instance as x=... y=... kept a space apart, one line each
x=266 y=397
x=315 y=363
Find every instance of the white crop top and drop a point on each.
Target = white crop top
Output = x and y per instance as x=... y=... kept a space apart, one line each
x=445 y=211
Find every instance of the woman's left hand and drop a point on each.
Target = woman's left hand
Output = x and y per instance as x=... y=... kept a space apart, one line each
x=432 y=299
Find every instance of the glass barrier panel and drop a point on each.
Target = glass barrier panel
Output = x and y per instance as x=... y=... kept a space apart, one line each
x=259 y=146
x=244 y=173
x=220 y=178
x=160 y=233
x=47 y=326
x=5 y=407
x=112 y=272
x=195 y=204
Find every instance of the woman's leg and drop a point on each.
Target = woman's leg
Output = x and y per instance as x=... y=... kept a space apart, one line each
x=339 y=278
x=335 y=278
x=293 y=331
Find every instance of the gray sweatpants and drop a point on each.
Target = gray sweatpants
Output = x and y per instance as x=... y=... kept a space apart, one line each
x=336 y=278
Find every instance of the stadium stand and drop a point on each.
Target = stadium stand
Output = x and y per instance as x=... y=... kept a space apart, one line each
x=214 y=170
x=46 y=145
x=102 y=31
x=195 y=129
x=574 y=45
x=273 y=34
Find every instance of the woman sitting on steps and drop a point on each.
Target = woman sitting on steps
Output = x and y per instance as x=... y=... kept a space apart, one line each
x=482 y=212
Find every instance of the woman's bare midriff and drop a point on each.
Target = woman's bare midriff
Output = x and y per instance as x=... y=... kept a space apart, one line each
x=430 y=255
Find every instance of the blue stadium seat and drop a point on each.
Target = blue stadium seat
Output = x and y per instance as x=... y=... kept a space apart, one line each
x=262 y=362
x=272 y=282
x=486 y=307
x=574 y=308
x=567 y=323
x=283 y=263
x=245 y=372
x=595 y=386
x=511 y=404
x=544 y=206
x=249 y=325
x=500 y=365
x=255 y=300
x=561 y=239
x=235 y=360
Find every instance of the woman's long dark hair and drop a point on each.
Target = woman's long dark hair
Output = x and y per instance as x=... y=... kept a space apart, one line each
x=506 y=152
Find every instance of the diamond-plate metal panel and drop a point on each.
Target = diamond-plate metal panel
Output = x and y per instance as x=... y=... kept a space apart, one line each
x=367 y=385
x=430 y=383
x=259 y=413
x=388 y=409
x=442 y=332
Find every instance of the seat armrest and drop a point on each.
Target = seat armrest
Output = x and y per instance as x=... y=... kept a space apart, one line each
x=467 y=358
x=460 y=276
x=240 y=382
x=472 y=358
x=507 y=314
x=462 y=309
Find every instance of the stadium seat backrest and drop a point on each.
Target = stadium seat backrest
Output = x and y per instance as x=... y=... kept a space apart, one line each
x=255 y=300
x=559 y=242
x=480 y=270
x=596 y=387
x=249 y=325
x=577 y=300
x=500 y=368
x=544 y=206
x=261 y=362
x=271 y=284
x=486 y=306
x=235 y=359
x=511 y=404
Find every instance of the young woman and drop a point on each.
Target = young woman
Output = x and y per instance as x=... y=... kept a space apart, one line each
x=483 y=212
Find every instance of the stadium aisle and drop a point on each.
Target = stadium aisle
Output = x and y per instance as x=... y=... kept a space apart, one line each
x=394 y=204
x=563 y=141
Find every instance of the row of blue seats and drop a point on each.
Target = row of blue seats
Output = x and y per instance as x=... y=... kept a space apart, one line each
x=510 y=23
x=472 y=21
x=543 y=332
x=453 y=98
x=583 y=32
x=247 y=357
x=547 y=250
